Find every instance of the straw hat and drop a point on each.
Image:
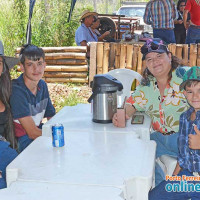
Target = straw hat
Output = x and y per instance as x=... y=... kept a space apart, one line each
x=87 y=13
x=10 y=61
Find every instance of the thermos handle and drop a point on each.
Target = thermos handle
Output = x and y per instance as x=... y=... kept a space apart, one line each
x=92 y=97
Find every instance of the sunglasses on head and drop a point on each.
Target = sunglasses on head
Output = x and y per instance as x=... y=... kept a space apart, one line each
x=151 y=46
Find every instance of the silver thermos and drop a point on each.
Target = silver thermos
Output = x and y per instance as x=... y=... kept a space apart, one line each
x=104 y=97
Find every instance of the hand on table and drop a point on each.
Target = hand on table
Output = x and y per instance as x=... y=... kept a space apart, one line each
x=116 y=120
x=194 y=140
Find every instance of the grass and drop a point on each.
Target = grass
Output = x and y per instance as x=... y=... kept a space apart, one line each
x=69 y=94
x=71 y=100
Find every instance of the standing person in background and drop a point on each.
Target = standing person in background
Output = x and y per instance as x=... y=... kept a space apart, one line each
x=7 y=137
x=179 y=30
x=160 y=14
x=193 y=33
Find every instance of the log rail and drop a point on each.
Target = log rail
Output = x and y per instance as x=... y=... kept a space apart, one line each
x=65 y=64
x=69 y=64
x=108 y=56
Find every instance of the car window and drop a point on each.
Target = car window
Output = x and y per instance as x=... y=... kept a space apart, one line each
x=132 y=12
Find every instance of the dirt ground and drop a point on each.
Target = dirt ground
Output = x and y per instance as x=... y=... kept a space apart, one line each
x=60 y=92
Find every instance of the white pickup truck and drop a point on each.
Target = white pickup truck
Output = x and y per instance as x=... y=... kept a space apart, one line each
x=136 y=10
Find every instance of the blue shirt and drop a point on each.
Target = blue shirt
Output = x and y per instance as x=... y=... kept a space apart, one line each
x=188 y=158
x=84 y=33
x=24 y=103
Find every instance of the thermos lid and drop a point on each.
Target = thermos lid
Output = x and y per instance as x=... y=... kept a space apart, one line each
x=104 y=83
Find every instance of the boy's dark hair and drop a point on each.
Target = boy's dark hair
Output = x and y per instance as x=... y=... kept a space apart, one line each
x=31 y=52
x=191 y=82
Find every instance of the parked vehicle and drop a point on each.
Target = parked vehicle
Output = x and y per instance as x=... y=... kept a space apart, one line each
x=136 y=11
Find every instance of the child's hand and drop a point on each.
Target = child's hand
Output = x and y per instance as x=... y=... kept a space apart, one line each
x=194 y=140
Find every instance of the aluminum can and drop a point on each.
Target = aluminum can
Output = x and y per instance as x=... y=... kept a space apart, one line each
x=58 y=135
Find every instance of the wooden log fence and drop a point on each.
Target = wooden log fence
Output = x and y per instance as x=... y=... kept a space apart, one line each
x=65 y=64
x=110 y=56
x=69 y=64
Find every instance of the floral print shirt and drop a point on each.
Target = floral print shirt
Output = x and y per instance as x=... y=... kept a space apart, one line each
x=164 y=112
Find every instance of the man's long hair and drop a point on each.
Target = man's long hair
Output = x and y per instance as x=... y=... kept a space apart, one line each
x=5 y=92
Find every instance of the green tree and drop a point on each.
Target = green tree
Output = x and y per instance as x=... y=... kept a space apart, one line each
x=19 y=8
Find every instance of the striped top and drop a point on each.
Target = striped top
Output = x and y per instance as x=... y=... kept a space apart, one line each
x=24 y=103
x=160 y=14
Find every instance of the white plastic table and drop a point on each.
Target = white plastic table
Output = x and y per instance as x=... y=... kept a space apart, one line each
x=23 y=190
x=89 y=158
x=79 y=118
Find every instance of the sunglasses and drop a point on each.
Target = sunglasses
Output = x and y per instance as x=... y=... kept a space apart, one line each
x=182 y=5
x=151 y=46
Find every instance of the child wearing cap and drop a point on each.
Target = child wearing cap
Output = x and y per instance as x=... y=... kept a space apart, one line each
x=30 y=101
x=188 y=161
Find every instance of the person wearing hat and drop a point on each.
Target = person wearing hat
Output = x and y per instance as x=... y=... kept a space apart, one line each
x=84 y=33
x=7 y=137
x=188 y=164
x=159 y=96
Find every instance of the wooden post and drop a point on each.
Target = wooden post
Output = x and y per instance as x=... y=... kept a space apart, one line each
x=135 y=55
x=129 y=56
x=185 y=54
x=122 y=56
x=106 y=57
x=143 y=66
x=93 y=61
x=112 y=57
x=139 y=66
x=99 y=57
x=172 y=48
x=198 y=55
x=117 y=55
x=193 y=55
x=179 y=49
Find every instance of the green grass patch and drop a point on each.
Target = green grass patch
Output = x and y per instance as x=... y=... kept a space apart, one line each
x=71 y=100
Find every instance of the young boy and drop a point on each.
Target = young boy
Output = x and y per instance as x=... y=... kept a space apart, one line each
x=188 y=164
x=30 y=101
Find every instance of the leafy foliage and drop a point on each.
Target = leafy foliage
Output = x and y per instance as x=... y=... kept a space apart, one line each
x=49 y=23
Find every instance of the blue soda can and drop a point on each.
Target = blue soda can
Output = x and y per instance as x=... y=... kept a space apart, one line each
x=58 y=135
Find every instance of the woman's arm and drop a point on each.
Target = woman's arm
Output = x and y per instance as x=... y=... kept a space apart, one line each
x=100 y=38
